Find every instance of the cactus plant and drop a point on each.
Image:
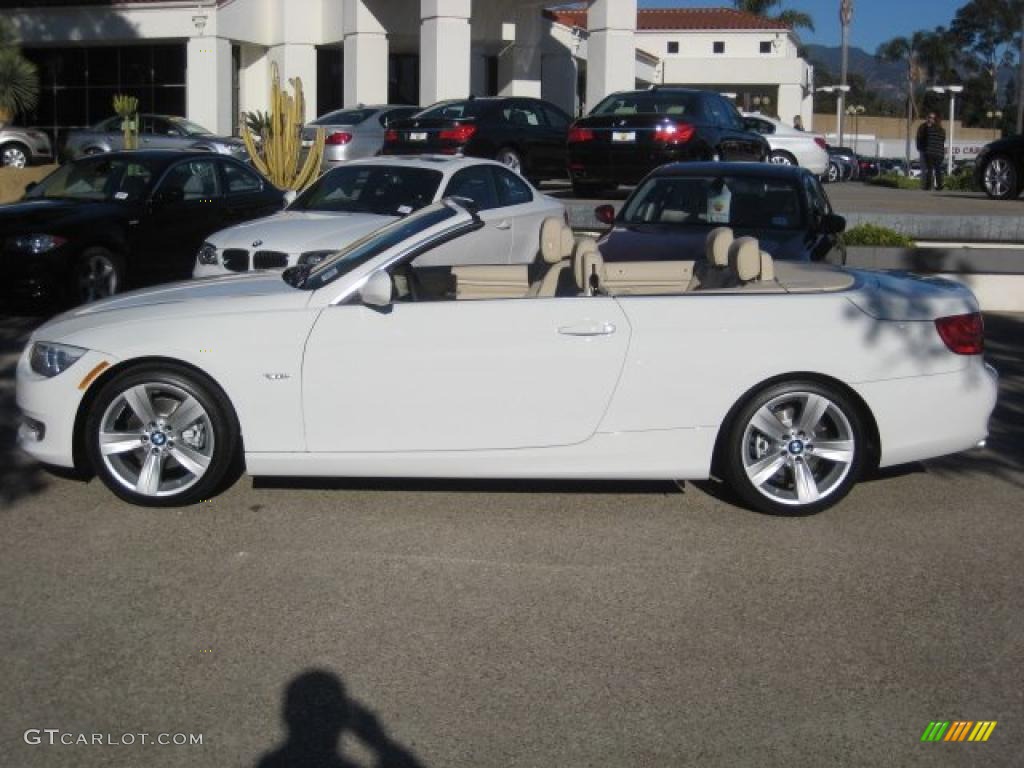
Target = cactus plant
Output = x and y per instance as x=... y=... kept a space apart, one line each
x=277 y=152
x=127 y=108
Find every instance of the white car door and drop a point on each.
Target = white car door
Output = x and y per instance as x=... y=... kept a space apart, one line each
x=461 y=375
x=490 y=245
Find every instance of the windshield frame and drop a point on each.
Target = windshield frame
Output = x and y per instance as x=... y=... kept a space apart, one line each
x=187 y=126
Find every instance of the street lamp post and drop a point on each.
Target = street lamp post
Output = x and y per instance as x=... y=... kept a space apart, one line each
x=839 y=90
x=952 y=90
x=856 y=110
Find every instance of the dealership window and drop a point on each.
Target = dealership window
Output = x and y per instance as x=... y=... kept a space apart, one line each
x=77 y=84
x=719 y=46
x=766 y=46
x=673 y=47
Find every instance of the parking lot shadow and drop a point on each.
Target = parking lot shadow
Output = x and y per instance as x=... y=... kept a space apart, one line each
x=318 y=714
x=19 y=475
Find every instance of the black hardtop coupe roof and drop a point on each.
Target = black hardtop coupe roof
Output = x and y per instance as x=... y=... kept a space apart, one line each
x=743 y=170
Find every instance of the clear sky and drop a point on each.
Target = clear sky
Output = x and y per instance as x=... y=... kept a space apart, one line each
x=874 y=21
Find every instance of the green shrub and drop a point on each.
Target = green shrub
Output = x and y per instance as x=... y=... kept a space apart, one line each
x=895 y=181
x=874 y=236
x=960 y=182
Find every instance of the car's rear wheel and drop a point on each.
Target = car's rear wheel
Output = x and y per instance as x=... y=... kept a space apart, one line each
x=14 y=155
x=99 y=273
x=834 y=173
x=161 y=436
x=1000 y=178
x=780 y=157
x=794 y=448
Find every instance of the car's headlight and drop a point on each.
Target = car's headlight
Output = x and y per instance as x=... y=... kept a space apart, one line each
x=49 y=359
x=312 y=258
x=35 y=243
x=207 y=253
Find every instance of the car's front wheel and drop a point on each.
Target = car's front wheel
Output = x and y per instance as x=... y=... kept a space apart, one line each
x=99 y=273
x=15 y=156
x=794 y=448
x=161 y=436
x=1000 y=178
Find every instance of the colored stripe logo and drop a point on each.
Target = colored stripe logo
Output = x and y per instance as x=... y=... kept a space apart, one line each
x=958 y=730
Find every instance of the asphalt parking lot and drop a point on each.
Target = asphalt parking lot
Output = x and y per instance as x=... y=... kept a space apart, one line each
x=517 y=624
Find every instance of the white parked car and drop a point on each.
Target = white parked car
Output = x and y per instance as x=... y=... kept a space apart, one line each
x=348 y=202
x=787 y=380
x=790 y=146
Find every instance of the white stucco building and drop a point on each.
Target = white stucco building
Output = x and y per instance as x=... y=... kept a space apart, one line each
x=211 y=60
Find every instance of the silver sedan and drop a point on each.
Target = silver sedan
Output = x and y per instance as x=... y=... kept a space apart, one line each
x=21 y=147
x=354 y=133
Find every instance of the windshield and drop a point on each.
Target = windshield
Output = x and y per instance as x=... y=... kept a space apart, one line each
x=455 y=110
x=96 y=179
x=648 y=102
x=386 y=190
x=344 y=117
x=188 y=127
x=368 y=247
x=750 y=203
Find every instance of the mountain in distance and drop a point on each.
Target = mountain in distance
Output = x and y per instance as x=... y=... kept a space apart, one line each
x=881 y=76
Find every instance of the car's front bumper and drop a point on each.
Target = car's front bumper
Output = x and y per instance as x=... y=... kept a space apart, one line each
x=35 y=277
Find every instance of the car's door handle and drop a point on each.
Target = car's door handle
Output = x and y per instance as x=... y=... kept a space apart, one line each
x=587 y=329
x=503 y=225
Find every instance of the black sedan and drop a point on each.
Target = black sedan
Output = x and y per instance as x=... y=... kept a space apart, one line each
x=631 y=133
x=999 y=168
x=527 y=135
x=671 y=212
x=102 y=224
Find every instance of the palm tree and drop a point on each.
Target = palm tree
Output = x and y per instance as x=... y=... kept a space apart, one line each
x=904 y=50
x=792 y=19
x=19 y=80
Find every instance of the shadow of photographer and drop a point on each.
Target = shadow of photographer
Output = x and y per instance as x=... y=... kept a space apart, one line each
x=318 y=714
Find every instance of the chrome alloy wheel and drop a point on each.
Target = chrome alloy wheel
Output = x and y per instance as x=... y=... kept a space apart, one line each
x=14 y=157
x=798 y=448
x=997 y=177
x=156 y=439
x=97 y=277
x=778 y=158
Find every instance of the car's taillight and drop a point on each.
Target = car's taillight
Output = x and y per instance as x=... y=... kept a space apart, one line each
x=821 y=142
x=390 y=135
x=460 y=133
x=578 y=135
x=338 y=137
x=674 y=133
x=963 y=334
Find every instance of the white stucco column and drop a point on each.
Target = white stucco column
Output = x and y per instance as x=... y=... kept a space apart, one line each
x=298 y=60
x=444 y=50
x=611 y=50
x=519 y=69
x=791 y=103
x=208 y=83
x=366 y=56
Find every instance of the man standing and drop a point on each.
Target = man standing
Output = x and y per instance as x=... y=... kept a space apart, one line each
x=931 y=144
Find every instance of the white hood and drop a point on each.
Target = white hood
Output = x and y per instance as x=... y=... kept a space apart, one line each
x=300 y=231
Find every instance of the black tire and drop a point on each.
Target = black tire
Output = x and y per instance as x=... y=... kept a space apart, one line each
x=766 y=471
x=834 y=174
x=13 y=154
x=999 y=178
x=98 y=273
x=214 y=437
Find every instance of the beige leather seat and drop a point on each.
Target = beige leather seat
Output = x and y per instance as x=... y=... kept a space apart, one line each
x=714 y=271
x=502 y=281
x=754 y=268
x=556 y=247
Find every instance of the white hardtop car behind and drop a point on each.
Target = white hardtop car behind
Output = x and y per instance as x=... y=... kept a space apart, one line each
x=786 y=380
x=789 y=145
x=351 y=201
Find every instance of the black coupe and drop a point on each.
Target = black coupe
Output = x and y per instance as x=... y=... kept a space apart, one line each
x=670 y=213
x=99 y=225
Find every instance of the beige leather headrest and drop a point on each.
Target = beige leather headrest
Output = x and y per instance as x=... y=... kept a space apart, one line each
x=745 y=258
x=568 y=241
x=551 y=240
x=767 y=266
x=584 y=246
x=716 y=246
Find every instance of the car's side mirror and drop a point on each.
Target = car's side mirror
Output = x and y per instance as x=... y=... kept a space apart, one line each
x=376 y=292
x=833 y=224
x=605 y=214
x=168 y=195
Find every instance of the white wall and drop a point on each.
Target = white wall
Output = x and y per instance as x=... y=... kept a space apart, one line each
x=699 y=44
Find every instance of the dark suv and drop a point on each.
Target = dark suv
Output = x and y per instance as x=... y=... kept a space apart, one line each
x=631 y=133
x=527 y=135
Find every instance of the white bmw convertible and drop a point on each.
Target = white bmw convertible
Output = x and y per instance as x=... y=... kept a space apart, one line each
x=787 y=381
